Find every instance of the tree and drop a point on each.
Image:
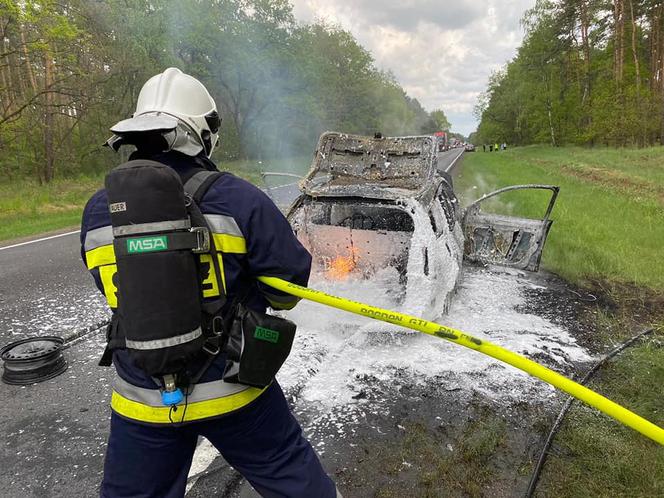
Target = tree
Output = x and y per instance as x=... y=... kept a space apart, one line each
x=70 y=69
x=439 y=117
x=573 y=81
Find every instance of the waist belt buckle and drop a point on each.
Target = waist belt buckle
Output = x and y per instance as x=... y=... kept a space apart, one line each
x=202 y=239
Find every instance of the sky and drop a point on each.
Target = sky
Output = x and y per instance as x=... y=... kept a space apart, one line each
x=441 y=52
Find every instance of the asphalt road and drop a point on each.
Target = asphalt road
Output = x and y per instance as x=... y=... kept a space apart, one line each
x=55 y=431
x=45 y=289
x=448 y=160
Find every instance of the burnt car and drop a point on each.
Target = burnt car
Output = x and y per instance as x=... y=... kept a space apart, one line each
x=377 y=206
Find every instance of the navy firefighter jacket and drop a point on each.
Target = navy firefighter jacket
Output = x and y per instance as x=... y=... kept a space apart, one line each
x=253 y=239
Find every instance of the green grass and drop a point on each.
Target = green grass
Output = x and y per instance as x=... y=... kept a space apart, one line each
x=595 y=456
x=645 y=164
x=467 y=470
x=27 y=208
x=608 y=234
x=609 y=215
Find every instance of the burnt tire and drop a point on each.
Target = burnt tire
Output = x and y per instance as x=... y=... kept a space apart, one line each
x=32 y=360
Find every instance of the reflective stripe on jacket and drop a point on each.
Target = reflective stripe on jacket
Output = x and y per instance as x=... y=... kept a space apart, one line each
x=207 y=399
x=252 y=238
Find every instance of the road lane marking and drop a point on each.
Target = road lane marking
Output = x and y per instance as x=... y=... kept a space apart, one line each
x=447 y=170
x=39 y=240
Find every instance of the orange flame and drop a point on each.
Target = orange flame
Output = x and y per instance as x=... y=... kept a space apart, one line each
x=341 y=266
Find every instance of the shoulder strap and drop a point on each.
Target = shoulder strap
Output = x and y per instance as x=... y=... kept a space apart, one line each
x=199 y=183
x=196 y=187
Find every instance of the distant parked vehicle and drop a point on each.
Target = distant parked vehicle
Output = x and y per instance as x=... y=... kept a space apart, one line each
x=441 y=139
x=470 y=148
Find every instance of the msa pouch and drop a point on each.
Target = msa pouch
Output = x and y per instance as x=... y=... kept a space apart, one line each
x=258 y=344
x=159 y=297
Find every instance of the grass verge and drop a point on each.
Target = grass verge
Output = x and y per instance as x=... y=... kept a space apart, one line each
x=595 y=456
x=609 y=215
x=426 y=462
x=607 y=237
x=27 y=208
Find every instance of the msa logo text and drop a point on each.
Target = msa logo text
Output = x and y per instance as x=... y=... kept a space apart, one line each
x=268 y=335
x=147 y=244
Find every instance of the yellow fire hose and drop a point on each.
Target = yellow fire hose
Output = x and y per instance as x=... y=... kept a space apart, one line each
x=561 y=382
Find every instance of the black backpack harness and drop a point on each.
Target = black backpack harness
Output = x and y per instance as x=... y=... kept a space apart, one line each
x=162 y=319
x=132 y=239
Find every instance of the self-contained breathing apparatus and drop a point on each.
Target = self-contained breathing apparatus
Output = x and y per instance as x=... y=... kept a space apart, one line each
x=169 y=330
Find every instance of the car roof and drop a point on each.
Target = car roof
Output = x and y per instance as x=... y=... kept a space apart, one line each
x=371 y=167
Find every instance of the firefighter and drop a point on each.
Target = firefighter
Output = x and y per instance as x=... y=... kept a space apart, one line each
x=176 y=124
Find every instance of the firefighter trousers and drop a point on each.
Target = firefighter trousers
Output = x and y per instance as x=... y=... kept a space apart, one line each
x=262 y=441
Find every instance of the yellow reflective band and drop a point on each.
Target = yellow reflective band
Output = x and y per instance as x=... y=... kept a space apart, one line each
x=230 y=243
x=588 y=396
x=210 y=287
x=106 y=273
x=195 y=411
x=103 y=255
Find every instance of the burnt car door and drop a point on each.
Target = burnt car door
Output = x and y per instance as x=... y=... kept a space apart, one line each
x=504 y=240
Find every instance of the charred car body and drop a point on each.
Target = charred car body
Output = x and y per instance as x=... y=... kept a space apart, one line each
x=374 y=205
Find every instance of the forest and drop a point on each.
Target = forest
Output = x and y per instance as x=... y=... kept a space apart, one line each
x=70 y=69
x=589 y=72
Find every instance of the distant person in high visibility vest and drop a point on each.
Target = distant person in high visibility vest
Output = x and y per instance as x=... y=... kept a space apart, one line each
x=495 y=147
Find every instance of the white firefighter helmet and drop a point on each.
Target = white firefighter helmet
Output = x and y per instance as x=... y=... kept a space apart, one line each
x=177 y=95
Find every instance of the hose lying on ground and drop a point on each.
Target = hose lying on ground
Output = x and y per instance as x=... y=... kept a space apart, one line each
x=561 y=382
x=559 y=420
x=80 y=334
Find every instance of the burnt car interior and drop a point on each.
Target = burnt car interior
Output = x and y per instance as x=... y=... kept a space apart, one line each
x=359 y=216
x=351 y=236
x=507 y=240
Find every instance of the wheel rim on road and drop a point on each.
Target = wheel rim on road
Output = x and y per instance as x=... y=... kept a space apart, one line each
x=32 y=360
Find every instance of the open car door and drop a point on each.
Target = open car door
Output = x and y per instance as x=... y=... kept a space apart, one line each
x=506 y=240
